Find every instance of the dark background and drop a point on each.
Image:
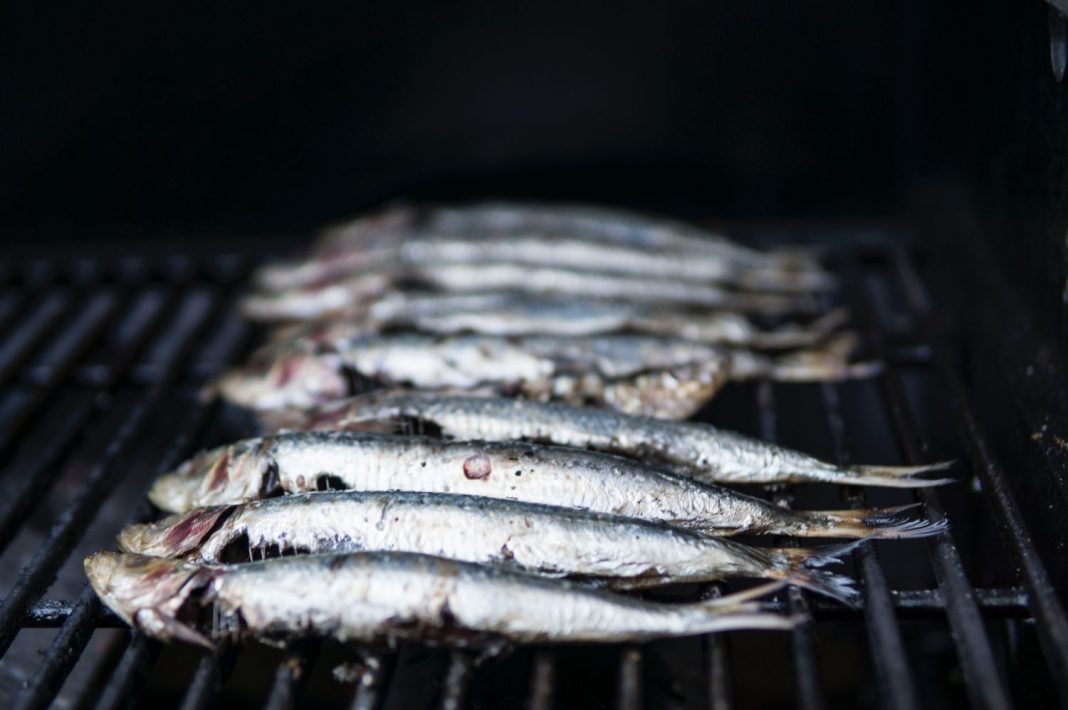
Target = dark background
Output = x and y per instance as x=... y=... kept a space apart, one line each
x=248 y=118
x=136 y=121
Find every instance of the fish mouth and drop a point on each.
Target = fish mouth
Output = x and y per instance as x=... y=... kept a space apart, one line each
x=164 y=598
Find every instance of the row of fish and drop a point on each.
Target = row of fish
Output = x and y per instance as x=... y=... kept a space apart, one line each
x=479 y=498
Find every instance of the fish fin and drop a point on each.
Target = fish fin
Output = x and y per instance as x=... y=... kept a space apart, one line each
x=741 y=611
x=167 y=627
x=895 y=476
x=175 y=535
x=880 y=523
x=801 y=336
x=279 y=420
x=827 y=363
x=804 y=568
x=770 y=304
x=742 y=600
x=786 y=279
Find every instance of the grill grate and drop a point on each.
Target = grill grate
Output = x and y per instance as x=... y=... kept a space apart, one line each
x=130 y=341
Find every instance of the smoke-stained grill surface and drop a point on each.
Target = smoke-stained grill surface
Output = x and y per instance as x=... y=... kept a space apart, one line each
x=101 y=361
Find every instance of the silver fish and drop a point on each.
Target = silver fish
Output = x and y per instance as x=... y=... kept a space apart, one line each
x=663 y=377
x=693 y=449
x=506 y=313
x=391 y=596
x=606 y=225
x=572 y=478
x=356 y=292
x=544 y=250
x=550 y=541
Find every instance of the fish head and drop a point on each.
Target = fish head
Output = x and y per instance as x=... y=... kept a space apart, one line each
x=299 y=379
x=222 y=476
x=175 y=535
x=149 y=593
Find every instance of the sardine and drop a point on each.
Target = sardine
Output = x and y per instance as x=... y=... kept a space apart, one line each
x=541 y=250
x=693 y=449
x=507 y=314
x=550 y=541
x=392 y=596
x=356 y=292
x=606 y=225
x=573 y=478
x=662 y=377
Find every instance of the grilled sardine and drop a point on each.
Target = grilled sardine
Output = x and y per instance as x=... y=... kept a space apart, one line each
x=698 y=450
x=507 y=314
x=573 y=478
x=357 y=290
x=662 y=377
x=391 y=596
x=550 y=541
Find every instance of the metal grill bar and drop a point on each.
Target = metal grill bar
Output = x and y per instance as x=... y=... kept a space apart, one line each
x=983 y=685
x=719 y=675
x=371 y=682
x=542 y=680
x=18 y=347
x=457 y=678
x=42 y=472
x=291 y=676
x=892 y=673
x=629 y=691
x=99 y=483
x=62 y=654
x=39 y=475
x=208 y=677
x=130 y=674
x=77 y=629
x=1052 y=626
x=802 y=644
x=86 y=328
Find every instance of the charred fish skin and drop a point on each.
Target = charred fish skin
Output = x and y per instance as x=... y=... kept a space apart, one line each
x=545 y=540
x=573 y=478
x=390 y=596
x=693 y=449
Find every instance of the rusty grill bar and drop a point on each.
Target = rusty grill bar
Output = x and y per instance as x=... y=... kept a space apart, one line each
x=80 y=345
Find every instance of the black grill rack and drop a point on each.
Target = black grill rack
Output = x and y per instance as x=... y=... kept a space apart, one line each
x=101 y=363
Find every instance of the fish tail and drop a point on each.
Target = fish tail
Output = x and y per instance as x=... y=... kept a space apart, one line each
x=880 y=523
x=804 y=568
x=771 y=304
x=894 y=476
x=749 y=618
x=783 y=279
x=827 y=363
x=798 y=336
x=739 y=611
